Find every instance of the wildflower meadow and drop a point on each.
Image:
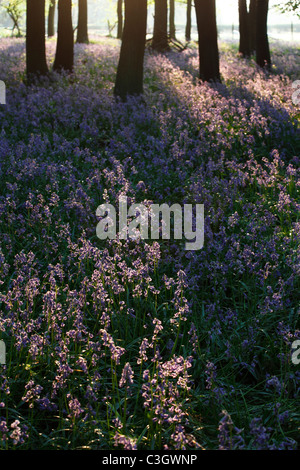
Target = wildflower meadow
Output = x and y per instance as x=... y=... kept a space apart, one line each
x=125 y=344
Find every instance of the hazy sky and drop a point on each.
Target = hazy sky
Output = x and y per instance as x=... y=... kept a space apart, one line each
x=227 y=11
x=100 y=11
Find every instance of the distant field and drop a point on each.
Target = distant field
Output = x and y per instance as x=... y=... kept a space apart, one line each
x=282 y=32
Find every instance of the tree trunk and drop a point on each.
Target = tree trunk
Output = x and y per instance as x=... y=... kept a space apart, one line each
x=252 y=25
x=172 y=30
x=120 y=19
x=36 y=63
x=263 y=57
x=130 y=73
x=188 y=26
x=51 y=16
x=244 y=24
x=160 y=34
x=82 y=25
x=208 y=40
x=64 y=56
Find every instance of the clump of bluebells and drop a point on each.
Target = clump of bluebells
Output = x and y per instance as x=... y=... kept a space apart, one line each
x=141 y=344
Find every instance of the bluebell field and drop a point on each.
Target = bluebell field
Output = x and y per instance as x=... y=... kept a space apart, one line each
x=114 y=344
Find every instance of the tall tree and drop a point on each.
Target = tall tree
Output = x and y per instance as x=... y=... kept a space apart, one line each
x=160 y=33
x=64 y=56
x=51 y=16
x=36 y=63
x=244 y=25
x=172 y=28
x=188 y=27
x=263 y=56
x=82 y=25
x=130 y=72
x=120 y=19
x=208 y=40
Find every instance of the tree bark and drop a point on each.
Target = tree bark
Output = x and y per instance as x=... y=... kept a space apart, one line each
x=172 y=28
x=252 y=25
x=130 y=72
x=120 y=19
x=51 y=16
x=188 y=27
x=208 y=40
x=36 y=63
x=160 y=34
x=64 y=56
x=263 y=57
x=82 y=25
x=244 y=24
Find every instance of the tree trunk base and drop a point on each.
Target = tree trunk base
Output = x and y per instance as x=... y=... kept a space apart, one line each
x=172 y=43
